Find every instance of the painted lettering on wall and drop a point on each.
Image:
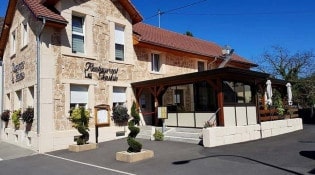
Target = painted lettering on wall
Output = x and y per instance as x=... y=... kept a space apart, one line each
x=17 y=72
x=106 y=74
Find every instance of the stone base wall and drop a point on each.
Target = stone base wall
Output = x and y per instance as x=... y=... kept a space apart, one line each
x=21 y=138
x=218 y=136
x=274 y=128
x=58 y=140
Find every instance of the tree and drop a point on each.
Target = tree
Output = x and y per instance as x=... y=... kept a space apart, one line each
x=296 y=68
x=188 y=33
x=290 y=67
x=134 y=146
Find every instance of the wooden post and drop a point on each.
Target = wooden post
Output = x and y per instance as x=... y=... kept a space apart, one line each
x=220 y=98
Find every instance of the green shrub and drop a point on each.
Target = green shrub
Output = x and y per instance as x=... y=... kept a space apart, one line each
x=134 y=146
x=80 y=120
x=158 y=135
x=120 y=115
x=16 y=115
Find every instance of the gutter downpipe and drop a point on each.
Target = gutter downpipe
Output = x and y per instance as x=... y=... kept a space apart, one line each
x=38 y=74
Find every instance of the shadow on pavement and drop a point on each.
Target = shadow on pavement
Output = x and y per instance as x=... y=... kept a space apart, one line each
x=308 y=154
x=247 y=158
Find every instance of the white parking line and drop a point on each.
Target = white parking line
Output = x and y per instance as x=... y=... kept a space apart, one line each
x=91 y=165
x=1 y=159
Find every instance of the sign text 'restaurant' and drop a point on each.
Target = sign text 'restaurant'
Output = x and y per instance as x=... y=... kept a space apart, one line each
x=106 y=74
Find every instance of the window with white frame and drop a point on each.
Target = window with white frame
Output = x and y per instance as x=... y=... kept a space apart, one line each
x=119 y=96
x=119 y=42
x=24 y=34
x=77 y=34
x=79 y=95
x=13 y=42
x=155 y=62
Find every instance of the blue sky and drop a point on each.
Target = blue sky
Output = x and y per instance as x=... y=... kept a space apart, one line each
x=248 y=26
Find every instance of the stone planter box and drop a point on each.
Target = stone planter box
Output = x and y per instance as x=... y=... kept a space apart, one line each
x=124 y=156
x=85 y=147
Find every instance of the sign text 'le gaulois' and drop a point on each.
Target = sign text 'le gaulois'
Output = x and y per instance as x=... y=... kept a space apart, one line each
x=17 y=72
x=105 y=74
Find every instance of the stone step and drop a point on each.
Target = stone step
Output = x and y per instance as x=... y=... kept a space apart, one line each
x=187 y=135
x=183 y=134
x=182 y=139
x=190 y=130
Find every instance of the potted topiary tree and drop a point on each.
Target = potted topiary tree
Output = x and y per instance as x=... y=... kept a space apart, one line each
x=5 y=117
x=120 y=115
x=28 y=118
x=16 y=115
x=80 y=117
x=135 y=152
x=134 y=146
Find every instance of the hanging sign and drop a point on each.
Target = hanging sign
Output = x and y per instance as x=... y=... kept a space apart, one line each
x=162 y=112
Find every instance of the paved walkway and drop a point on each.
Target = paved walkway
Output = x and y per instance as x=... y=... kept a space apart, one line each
x=292 y=153
x=9 y=151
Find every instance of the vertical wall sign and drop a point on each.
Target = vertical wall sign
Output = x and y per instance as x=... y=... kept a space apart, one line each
x=17 y=72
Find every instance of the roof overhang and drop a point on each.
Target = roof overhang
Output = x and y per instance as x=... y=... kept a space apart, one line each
x=133 y=12
x=227 y=73
x=7 y=25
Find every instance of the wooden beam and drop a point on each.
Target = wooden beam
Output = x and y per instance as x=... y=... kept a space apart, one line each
x=215 y=86
x=220 y=98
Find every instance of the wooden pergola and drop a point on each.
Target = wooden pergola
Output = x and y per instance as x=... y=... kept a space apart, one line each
x=214 y=78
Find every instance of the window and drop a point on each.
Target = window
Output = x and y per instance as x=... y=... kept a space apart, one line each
x=119 y=43
x=204 y=97
x=8 y=101
x=18 y=100
x=13 y=42
x=155 y=62
x=24 y=34
x=237 y=92
x=119 y=96
x=77 y=34
x=201 y=66
x=30 y=96
x=78 y=95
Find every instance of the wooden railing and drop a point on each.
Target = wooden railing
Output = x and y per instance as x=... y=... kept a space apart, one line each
x=272 y=114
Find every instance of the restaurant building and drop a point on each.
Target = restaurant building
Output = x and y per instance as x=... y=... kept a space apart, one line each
x=58 y=54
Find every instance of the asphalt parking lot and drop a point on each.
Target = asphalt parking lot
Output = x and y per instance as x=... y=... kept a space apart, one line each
x=292 y=153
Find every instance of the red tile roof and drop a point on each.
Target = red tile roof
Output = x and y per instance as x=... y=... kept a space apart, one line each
x=168 y=39
x=40 y=11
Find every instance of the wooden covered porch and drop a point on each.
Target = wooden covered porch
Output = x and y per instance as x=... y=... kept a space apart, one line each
x=228 y=104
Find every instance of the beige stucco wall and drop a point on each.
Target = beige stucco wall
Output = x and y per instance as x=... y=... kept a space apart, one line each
x=25 y=56
x=60 y=68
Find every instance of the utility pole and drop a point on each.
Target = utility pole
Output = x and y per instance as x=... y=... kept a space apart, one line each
x=160 y=14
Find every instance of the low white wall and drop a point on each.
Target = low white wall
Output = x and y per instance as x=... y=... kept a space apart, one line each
x=217 y=136
x=277 y=127
x=189 y=119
